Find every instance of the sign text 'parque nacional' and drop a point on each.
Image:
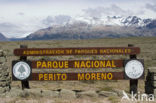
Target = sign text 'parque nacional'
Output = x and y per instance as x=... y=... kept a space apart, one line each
x=65 y=64
x=78 y=76
x=77 y=51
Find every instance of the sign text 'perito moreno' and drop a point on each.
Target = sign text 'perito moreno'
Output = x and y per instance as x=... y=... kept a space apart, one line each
x=77 y=76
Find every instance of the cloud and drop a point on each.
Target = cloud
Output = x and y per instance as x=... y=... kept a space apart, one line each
x=59 y=20
x=5 y=26
x=108 y=11
x=48 y=20
x=151 y=7
x=21 y=13
x=8 y=28
x=141 y=12
x=21 y=29
x=13 y=30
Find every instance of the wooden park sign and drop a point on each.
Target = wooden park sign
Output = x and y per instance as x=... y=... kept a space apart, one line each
x=22 y=69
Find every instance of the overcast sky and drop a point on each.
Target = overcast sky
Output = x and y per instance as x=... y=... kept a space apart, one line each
x=19 y=18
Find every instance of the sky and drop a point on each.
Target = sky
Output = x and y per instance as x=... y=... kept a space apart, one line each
x=19 y=18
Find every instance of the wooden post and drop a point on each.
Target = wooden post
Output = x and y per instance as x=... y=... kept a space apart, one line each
x=24 y=83
x=133 y=82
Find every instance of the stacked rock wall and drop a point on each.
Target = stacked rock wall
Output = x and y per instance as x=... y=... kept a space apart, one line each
x=150 y=83
x=5 y=79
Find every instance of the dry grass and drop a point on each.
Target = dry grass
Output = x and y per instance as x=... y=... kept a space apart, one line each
x=54 y=100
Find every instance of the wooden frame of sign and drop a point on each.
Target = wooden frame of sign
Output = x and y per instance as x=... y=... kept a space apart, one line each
x=23 y=52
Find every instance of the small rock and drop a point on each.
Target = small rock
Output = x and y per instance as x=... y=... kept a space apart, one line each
x=2 y=59
x=4 y=68
x=27 y=101
x=92 y=94
x=5 y=53
x=1 y=52
x=107 y=94
x=3 y=84
x=64 y=93
x=152 y=69
x=154 y=92
x=5 y=74
x=7 y=88
x=4 y=78
x=2 y=90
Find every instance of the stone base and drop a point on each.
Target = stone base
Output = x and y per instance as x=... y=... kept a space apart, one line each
x=5 y=78
x=150 y=83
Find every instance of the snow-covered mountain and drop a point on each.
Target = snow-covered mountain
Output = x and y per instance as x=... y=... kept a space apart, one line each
x=91 y=27
x=114 y=20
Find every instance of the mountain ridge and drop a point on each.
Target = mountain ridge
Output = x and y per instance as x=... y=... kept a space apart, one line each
x=80 y=28
x=91 y=27
x=2 y=37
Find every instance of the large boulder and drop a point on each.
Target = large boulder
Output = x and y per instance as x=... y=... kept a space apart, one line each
x=69 y=94
x=49 y=93
x=107 y=94
x=91 y=94
x=16 y=92
x=35 y=92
